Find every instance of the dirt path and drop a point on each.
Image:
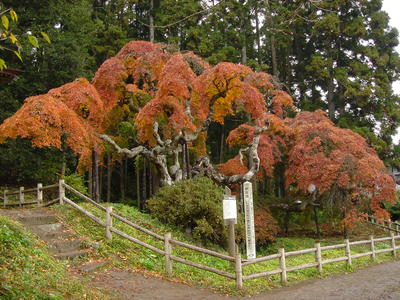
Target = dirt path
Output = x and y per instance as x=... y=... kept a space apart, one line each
x=377 y=282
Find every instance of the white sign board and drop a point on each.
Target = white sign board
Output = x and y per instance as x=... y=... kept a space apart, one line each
x=229 y=207
x=249 y=220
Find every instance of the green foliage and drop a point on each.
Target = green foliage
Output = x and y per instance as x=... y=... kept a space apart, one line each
x=195 y=204
x=394 y=209
x=76 y=181
x=28 y=271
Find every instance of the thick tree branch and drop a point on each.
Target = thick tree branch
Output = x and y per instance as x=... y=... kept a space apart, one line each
x=130 y=153
x=204 y=165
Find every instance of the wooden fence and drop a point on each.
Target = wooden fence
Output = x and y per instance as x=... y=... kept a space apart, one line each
x=238 y=263
x=387 y=225
x=20 y=199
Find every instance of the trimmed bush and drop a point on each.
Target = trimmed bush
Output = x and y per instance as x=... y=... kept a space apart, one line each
x=195 y=204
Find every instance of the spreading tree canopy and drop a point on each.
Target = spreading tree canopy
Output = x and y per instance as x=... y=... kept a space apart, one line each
x=175 y=96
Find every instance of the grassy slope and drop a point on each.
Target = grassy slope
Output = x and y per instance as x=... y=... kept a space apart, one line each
x=27 y=271
x=129 y=255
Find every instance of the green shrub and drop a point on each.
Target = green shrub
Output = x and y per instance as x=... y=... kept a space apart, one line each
x=78 y=183
x=195 y=204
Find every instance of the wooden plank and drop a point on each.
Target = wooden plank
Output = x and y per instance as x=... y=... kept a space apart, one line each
x=71 y=189
x=338 y=246
x=383 y=250
x=263 y=274
x=12 y=193
x=303 y=266
x=84 y=211
x=109 y=223
x=299 y=252
x=371 y=237
x=333 y=260
x=383 y=239
x=360 y=242
x=49 y=186
x=138 y=227
x=30 y=190
x=348 y=252
x=261 y=259
x=168 y=253
x=203 y=250
x=203 y=267
x=51 y=202
x=135 y=240
x=361 y=254
x=318 y=257
x=19 y=204
x=393 y=242
x=238 y=270
x=282 y=263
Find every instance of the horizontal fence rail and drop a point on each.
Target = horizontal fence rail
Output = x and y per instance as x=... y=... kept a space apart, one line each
x=22 y=201
x=236 y=262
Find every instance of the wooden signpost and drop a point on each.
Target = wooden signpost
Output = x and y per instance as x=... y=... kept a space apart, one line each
x=230 y=219
x=249 y=220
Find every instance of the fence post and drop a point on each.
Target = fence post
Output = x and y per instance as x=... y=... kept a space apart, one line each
x=371 y=237
x=238 y=269
x=21 y=195
x=348 y=252
x=318 y=257
x=282 y=262
x=61 y=190
x=108 y=222
x=168 y=252
x=393 y=244
x=5 y=198
x=39 y=194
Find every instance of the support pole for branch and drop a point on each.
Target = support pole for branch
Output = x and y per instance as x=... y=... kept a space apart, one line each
x=61 y=190
x=39 y=194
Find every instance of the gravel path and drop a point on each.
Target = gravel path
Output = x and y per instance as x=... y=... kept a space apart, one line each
x=377 y=282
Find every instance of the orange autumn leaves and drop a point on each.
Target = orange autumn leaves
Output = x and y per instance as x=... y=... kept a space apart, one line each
x=315 y=151
x=180 y=91
x=73 y=111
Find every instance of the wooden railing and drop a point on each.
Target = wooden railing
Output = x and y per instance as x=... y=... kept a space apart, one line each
x=318 y=252
x=20 y=199
x=238 y=263
x=388 y=225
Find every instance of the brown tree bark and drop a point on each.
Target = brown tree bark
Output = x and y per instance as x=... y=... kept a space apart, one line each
x=109 y=174
x=95 y=174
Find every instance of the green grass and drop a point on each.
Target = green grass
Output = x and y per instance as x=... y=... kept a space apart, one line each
x=27 y=271
x=129 y=255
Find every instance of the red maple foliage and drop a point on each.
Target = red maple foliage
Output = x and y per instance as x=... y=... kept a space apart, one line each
x=173 y=97
x=73 y=110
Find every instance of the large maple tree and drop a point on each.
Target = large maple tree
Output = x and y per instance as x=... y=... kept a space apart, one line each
x=172 y=98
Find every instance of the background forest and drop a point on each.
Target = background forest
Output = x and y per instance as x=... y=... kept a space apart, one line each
x=337 y=56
